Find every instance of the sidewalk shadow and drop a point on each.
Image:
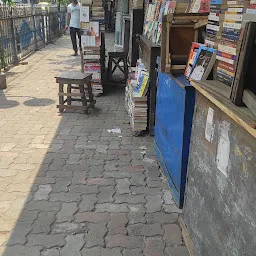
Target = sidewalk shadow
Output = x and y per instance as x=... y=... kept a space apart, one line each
x=5 y=103
x=42 y=226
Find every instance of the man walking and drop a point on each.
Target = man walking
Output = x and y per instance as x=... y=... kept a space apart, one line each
x=73 y=22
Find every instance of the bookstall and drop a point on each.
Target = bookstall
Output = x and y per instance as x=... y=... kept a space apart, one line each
x=93 y=42
x=175 y=96
x=223 y=140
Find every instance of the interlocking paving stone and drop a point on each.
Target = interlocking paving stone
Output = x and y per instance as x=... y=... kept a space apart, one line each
x=68 y=186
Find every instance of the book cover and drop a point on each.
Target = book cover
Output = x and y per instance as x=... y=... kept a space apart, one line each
x=204 y=6
x=224 y=59
x=216 y=2
x=94 y=29
x=195 y=6
x=84 y=13
x=191 y=59
x=221 y=70
x=170 y=7
x=204 y=62
x=226 y=66
x=144 y=84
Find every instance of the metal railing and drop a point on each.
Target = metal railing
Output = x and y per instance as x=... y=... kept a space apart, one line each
x=25 y=29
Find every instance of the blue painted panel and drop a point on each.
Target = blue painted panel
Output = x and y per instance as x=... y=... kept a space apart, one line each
x=174 y=112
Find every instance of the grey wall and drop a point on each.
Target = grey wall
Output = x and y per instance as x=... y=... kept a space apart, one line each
x=220 y=203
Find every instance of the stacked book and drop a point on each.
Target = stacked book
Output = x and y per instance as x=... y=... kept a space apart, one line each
x=92 y=66
x=98 y=11
x=91 y=43
x=136 y=99
x=224 y=32
x=252 y=7
x=153 y=19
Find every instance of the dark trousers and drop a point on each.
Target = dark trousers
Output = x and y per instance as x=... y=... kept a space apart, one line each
x=73 y=33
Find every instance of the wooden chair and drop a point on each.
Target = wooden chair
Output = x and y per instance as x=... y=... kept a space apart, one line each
x=75 y=80
x=115 y=58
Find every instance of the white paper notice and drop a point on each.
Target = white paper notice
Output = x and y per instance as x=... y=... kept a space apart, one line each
x=223 y=149
x=209 y=127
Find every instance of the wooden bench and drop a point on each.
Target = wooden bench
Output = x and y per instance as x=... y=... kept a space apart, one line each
x=75 y=80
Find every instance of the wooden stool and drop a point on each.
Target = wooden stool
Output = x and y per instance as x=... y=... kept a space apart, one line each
x=75 y=80
x=116 y=58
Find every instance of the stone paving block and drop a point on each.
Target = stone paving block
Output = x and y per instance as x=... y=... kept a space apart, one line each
x=19 y=233
x=88 y=202
x=172 y=235
x=116 y=174
x=106 y=194
x=99 y=251
x=43 y=222
x=59 y=174
x=145 y=230
x=123 y=186
x=26 y=215
x=138 y=179
x=67 y=212
x=171 y=208
x=84 y=189
x=163 y=218
x=79 y=178
x=96 y=234
x=167 y=197
x=45 y=206
x=68 y=228
x=47 y=241
x=110 y=207
x=21 y=250
x=177 y=251
x=101 y=182
x=133 y=169
x=61 y=185
x=43 y=192
x=65 y=197
x=154 y=247
x=133 y=199
x=51 y=252
x=73 y=246
x=94 y=217
x=154 y=203
x=128 y=242
x=133 y=252
x=117 y=225
x=158 y=184
x=146 y=190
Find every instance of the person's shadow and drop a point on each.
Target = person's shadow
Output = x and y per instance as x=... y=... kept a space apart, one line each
x=5 y=103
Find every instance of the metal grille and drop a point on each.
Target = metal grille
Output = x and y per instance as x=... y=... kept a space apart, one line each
x=24 y=29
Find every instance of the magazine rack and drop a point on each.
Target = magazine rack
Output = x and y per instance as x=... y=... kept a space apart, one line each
x=149 y=52
x=179 y=30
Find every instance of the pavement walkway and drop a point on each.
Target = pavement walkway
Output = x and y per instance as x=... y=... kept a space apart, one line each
x=69 y=187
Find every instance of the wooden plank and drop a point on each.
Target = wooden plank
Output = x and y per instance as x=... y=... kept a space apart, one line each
x=163 y=39
x=249 y=99
x=186 y=237
x=70 y=94
x=244 y=119
x=242 y=75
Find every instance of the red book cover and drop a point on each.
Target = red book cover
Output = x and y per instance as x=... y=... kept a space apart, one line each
x=226 y=66
x=204 y=6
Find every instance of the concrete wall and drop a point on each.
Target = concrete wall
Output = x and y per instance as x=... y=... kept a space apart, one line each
x=220 y=203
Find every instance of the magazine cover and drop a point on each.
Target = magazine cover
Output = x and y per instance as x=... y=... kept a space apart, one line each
x=204 y=62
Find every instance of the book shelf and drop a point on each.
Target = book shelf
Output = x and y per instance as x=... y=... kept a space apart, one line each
x=93 y=43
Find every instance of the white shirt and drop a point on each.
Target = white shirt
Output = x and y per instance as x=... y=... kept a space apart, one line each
x=74 y=10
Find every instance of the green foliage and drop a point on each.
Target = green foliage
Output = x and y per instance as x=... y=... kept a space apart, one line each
x=8 y=2
x=63 y=2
